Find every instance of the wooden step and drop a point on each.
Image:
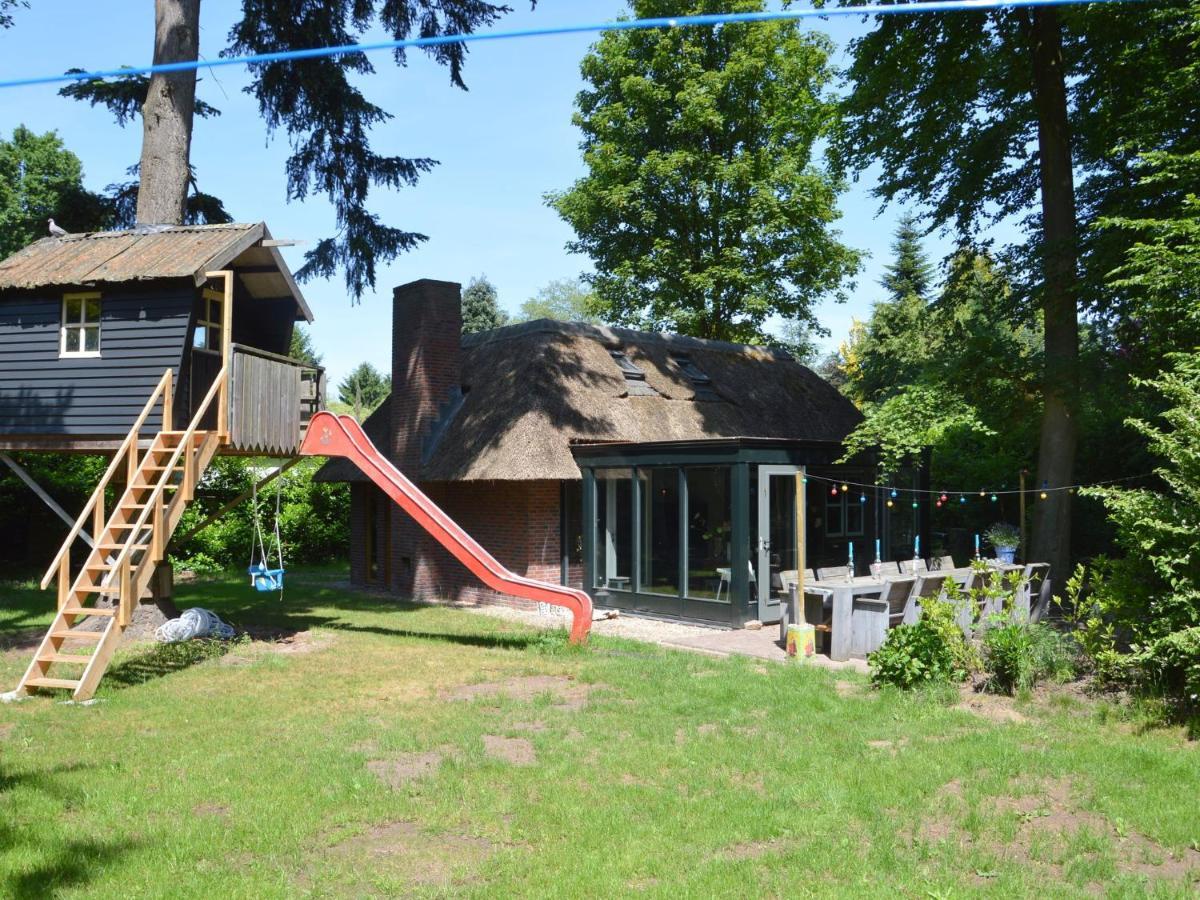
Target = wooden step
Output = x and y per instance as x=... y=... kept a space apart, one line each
x=72 y=659
x=119 y=547
x=89 y=588
x=74 y=634
x=68 y=683
x=88 y=611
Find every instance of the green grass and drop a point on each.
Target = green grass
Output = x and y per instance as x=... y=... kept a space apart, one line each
x=246 y=772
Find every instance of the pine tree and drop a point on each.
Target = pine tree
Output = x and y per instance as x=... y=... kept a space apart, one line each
x=911 y=273
x=480 y=308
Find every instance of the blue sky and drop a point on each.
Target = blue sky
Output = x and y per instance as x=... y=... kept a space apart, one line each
x=502 y=145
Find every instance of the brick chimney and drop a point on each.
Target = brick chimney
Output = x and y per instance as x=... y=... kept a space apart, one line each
x=426 y=362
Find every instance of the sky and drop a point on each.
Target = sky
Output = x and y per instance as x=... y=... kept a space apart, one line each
x=501 y=145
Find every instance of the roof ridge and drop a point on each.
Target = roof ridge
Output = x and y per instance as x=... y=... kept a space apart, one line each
x=610 y=334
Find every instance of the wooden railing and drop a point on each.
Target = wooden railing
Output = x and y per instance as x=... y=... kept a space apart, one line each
x=165 y=515
x=272 y=397
x=128 y=451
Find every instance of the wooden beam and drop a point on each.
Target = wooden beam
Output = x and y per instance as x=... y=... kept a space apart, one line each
x=240 y=498
x=40 y=491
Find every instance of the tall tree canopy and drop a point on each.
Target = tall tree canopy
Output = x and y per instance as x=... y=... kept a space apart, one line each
x=40 y=179
x=982 y=116
x=364 y=389
x=703 y=208
x=565 y=299
x=481 y=307
x=317 y=103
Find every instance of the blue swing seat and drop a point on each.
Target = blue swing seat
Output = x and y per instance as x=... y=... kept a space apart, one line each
x=265 y=579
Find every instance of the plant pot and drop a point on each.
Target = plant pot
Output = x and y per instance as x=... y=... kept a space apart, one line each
x=1006 y=554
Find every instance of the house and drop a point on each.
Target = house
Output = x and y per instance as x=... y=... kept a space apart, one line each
x=660 y=473
x=90 y=322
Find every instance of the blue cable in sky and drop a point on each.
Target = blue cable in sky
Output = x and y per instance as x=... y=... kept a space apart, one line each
x=922 y=6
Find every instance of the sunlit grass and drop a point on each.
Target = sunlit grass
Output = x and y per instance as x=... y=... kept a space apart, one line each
x=259 y=770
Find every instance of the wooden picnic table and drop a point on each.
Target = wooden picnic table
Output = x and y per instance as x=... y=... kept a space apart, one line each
x=860 y=618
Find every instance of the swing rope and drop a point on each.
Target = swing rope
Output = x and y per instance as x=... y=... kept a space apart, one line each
x=262 y=568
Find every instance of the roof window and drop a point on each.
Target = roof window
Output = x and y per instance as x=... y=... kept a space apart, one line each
x=701 y=382
x=635 y=378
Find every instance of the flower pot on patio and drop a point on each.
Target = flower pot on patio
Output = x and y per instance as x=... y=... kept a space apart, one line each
x=1006 y=554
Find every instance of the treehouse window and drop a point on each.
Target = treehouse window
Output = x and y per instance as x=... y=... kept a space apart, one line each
x=80 y=325
x=208 y=322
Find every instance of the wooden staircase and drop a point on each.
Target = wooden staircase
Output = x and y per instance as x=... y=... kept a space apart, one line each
x=127 y=545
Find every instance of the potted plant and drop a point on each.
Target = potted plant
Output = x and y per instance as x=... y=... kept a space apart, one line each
x=1005 y=538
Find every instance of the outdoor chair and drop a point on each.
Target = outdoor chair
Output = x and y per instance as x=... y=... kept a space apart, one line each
x=925 y=588
x=1035 y=591
x=913 y=566
x=898 y=595
x=818 y=612
x=724 y=576
x=809 y=575
x=942 y=563
x=889 y=568
x=830 y=572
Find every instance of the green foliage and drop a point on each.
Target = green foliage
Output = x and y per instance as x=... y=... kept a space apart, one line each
x=931 y=651
x=6 y=19
x=565 y=299
x=313 y=522
x=302 y=346
x=1017 y=656
x=1002 y=534
x=41 y=179
x=703 y=208
x=364 y=389
x=1170 y=666
x=481 y=307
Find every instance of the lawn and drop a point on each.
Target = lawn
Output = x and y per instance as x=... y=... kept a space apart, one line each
x=382 y=749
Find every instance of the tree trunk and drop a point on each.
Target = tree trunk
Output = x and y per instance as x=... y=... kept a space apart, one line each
x=1056 y=457
x=167 y=115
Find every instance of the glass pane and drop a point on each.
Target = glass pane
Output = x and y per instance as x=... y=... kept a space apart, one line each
x=214 y=311
x=92 y=309
x=782 y=553
x=74 y=307
x=200 y=338
x=710 y=520
x=833 y=515
x=854 y=515
x=660 y=530
x=614 y=529
x=72 y=343
x=91 y=339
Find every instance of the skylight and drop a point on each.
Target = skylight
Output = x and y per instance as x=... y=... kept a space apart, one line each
x=700 y=381
x=635 y=378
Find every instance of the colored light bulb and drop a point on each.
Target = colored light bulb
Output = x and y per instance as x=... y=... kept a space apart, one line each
x=943 y=498
x=845 y=487
x=890 y=504
x=862 y=498
x=962 y=498
x=833 y=492
x=894 y=493
x=915 y=504
x=993 y=498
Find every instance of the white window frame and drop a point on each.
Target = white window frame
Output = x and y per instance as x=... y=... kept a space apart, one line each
x=209 y=300
x=81 y=325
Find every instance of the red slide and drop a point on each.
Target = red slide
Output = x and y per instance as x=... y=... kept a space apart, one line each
x=330 y=435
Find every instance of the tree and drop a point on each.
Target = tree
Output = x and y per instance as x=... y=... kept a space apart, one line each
x=302 y=347
x=40 y=179
x=364 y=389
x=480 y=309
x=565 y=299
x=317 y=102
x=948 y=105
x=6 y=19
x=703 y=209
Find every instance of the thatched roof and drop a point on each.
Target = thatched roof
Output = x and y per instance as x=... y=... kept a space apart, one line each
x=533 y=390
x=154 y=252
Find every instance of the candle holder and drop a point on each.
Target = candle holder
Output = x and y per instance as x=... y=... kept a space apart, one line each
x=877 y=569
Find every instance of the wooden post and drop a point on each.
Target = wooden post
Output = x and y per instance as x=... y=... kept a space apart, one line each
x=125 y=598
x=189 y=474
x=131 y=461
x=801 y=523
x=156 y=529
x=1024 y=552
x=168 y=415
x=64 y=580
x=98 y=519
x=226 y=352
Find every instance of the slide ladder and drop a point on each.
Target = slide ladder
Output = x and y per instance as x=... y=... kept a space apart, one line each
x=330 y=435
x=127 y=546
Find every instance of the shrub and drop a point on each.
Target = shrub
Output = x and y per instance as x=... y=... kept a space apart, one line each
x=1171 y=666
x=933 y=651
x=1018 y=656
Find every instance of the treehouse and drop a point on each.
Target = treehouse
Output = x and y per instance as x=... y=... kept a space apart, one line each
x=91 y=323
x=161 y=347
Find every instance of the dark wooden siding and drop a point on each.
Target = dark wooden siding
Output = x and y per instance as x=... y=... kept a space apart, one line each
x=143 y=331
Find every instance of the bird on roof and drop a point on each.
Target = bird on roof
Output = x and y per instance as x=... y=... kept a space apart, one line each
x=55 y=229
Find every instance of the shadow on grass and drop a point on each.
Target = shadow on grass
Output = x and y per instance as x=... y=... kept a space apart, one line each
x=490 y=641
x=164 y=659
x=60 y=864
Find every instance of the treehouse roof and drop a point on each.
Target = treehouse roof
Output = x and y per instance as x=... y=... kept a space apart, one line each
x=154 y=252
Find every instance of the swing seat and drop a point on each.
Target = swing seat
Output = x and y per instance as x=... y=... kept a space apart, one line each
x=265 y=579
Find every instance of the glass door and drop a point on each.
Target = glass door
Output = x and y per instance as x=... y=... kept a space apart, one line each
x=778 y=557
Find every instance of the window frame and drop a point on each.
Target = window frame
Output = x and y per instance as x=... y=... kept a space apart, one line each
x=81 y=325
x=213 y=327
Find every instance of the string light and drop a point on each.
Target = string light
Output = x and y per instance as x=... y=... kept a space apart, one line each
x=833 y=492
x=962 y=498
x=890 y=504
x=1043 y=494
x=845 y=487
x=839 y=484
x=943 y=498
x=993 y=498
x=862 y=499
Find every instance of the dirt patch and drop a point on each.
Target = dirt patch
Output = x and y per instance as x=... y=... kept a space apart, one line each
x=6 y=729
x=749 y=782
x=403 y=851
x=217 y=810
x=707 y=728
x=532 y=727
x=992 y=707
x=517 y=751
x=297 y=642
x=23 y=641
x=893 y=747
x=845 y=688
x=405 y=768
x=633 y=781
x=369 y=746
x=642 y=884
x=570 y=696
x=1048 y=817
